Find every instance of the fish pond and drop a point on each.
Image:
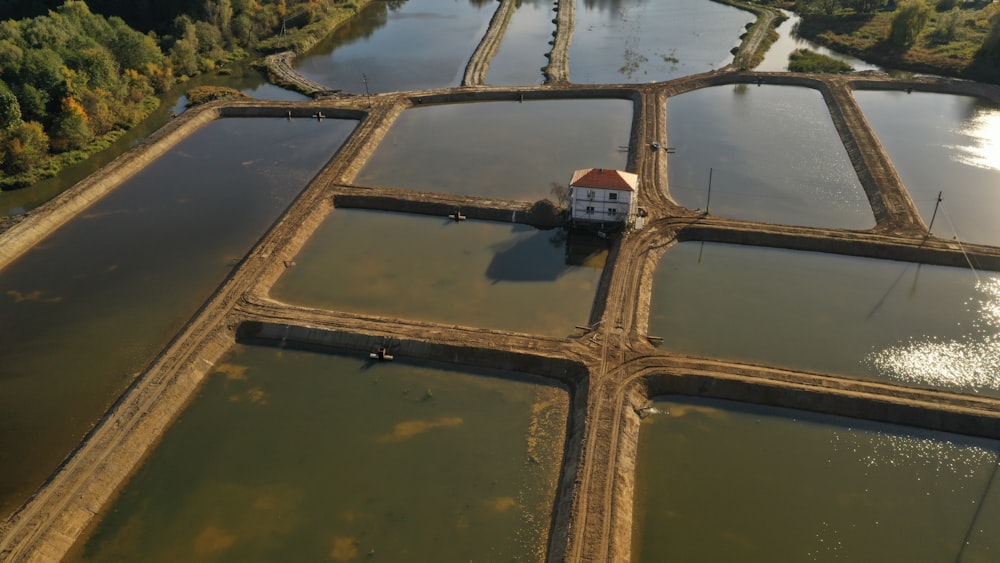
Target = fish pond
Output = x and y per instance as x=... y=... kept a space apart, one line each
x=472 y=273
x=720 y=481
x=299 y=456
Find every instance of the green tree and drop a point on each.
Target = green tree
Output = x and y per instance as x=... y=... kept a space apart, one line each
x=24 y=148
x=947 y=26
x=71 y=129
x=908 y=21
x=133 y=49
x=991 y=44
x=10 y=109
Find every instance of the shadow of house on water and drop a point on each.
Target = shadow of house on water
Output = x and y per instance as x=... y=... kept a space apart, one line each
x=544 y=255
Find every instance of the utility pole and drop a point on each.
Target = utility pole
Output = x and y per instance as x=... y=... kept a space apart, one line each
x=709 y=201
x=933 y=215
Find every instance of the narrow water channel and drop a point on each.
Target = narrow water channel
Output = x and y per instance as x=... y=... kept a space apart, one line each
x=506 y=150
x=776 y=58
x=720 y=481
x=296 y=456
x=473 y=273
x=769 y=153
x=528 y=38
x=87 y=308
x=928 y=326
x=946 y=144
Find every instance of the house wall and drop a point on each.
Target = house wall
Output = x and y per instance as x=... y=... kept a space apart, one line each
x=597 y=204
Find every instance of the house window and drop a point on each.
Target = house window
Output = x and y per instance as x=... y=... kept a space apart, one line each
x=612 y=211
x=591 y=194
x=613 y=196
x=590 y=210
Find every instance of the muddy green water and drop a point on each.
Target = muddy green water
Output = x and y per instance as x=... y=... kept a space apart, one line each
x=296 y=456
x=953 y=147
x=773 y=155
x=617 y=41
x=719 y=481
x=88 y=307
x=506 y=150
x=473 y=273
x=874 y=319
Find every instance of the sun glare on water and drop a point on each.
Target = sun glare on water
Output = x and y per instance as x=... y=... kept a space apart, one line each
x=970 y=362
x=983 y=134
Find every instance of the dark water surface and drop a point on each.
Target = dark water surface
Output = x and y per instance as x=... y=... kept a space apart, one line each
x=400 y=45
x=86 y=309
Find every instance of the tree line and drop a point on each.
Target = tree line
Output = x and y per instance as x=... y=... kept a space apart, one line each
x=70 y=77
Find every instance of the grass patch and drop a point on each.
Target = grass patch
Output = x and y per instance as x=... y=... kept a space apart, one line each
x=204 y=94
x=804 y=60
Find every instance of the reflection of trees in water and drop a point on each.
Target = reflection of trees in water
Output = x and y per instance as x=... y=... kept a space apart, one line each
x=612 y=6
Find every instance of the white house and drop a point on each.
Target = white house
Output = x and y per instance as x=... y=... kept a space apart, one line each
x=599 y=195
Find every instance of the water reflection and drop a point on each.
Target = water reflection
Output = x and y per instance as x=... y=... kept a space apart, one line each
x=397 y=45
x=239 y=76
x=87 y=308
x=526 y=41
x=508 y=150
x=776 y=58
x=768 y=484
x=923 y=325
x=294 y=456
x=969 y=361
x=953 y=148
x=473 y=273
x=982 y=130
x=773 y=155
x=641 y=41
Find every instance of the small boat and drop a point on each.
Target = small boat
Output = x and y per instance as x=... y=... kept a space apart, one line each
x=457 y=216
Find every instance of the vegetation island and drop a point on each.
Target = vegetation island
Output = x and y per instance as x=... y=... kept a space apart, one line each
x=75 y=76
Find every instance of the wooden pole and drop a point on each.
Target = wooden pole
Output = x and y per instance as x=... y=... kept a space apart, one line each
x=933 y=215
x=709 y=201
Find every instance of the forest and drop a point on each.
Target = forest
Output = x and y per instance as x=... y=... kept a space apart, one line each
x=72 y=80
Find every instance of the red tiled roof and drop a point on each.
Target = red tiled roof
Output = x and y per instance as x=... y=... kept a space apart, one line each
x=605 y=179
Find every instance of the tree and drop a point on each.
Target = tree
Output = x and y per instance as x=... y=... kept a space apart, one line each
x=908 y=21
x=991 y=45
x=220 y=15
x=947 y=26
x=24 y=148
x=10 y=109
x=71 y=129
x=133 y=49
